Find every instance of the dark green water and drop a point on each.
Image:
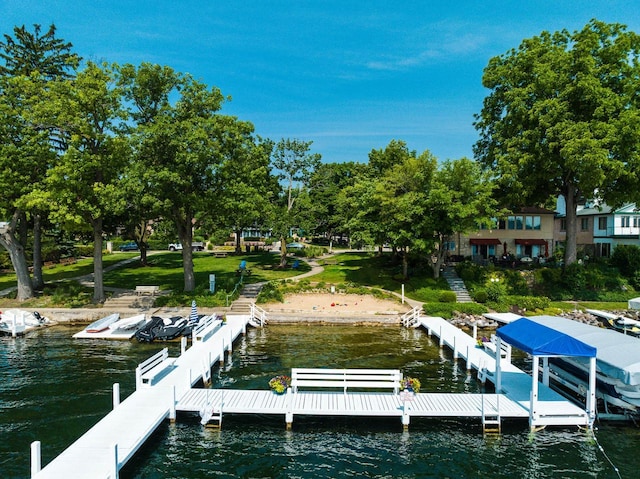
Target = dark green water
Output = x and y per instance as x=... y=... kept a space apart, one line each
x=53 y=388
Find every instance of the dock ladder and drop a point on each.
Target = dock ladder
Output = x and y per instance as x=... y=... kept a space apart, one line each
x=411 y=319
x=211 y=415
x=491 y=424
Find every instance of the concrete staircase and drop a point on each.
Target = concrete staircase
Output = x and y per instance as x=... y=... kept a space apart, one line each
x=128 y=300
x=247 y=297
x=456 y=285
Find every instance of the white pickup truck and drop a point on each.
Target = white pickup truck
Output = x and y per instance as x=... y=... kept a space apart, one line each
x=195 y=246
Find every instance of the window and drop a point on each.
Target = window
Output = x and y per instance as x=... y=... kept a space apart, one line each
x=584 y=224
x=511 y=222
x=563 y=225
x=602 y=223
x=502 y=225
x=533 y=222
x=624 y=221
x=636 y=222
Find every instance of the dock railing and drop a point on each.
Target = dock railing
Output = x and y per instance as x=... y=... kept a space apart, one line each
x=258 y=315
x=411 y=319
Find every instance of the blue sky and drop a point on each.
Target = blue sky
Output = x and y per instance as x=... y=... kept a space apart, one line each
x=348 y=75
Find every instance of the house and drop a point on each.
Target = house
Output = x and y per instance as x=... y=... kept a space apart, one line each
x=602 y=228
x=526 y=235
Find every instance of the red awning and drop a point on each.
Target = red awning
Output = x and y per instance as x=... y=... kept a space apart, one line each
x=531 y=241
x=485 y=241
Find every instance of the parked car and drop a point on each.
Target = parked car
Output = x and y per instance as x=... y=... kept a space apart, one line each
x=295 y=246
x=175 y=246
x=195 y=246
x=130 y=246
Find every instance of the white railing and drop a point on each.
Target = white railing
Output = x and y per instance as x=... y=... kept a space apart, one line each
x=411 y=319
x=258 y=315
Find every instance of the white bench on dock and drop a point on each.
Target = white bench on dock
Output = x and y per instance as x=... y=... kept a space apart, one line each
x=346 y=378
x=152 y=290
x=153 y=367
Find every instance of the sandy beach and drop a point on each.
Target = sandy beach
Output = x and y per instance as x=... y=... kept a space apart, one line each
x=336 y=304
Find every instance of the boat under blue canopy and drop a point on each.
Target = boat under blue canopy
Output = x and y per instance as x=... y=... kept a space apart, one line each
x=540 y=340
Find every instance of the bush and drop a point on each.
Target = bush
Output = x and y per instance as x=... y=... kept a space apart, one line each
x=270 y=292
x=480 y=296
x=627 y=259
x=447 y=297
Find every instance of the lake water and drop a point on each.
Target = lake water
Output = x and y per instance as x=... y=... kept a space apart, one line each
x=54 y=388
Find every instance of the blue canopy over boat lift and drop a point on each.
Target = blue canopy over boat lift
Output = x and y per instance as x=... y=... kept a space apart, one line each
x=543 y=342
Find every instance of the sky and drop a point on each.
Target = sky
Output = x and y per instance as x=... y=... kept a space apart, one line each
x=350 y=76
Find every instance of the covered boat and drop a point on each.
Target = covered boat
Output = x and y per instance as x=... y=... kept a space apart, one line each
x=617 y=362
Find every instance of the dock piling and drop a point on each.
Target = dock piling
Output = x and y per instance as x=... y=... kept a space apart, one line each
x=116 y=395
x=115 y=473
x=36 y=461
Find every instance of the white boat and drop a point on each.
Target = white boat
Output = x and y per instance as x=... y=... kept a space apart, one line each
x=19 y=321
x=126 y=324
x=102 y=323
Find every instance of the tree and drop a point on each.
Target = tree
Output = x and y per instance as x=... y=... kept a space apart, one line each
x=325 y=186
x=181 y=142
x=31 y=61
x=562 y=118
x=82 y=187
x=245 y=187
x=30 y=53
x=294 y=166
x=460 y=197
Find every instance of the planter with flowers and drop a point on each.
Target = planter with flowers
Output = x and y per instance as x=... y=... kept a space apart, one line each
x=410 y=384
x=279 y=384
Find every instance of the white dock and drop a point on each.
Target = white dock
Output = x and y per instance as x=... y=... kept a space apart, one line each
x=164 y=387
x=103 y=450
x=366 y=404
x=552 y=409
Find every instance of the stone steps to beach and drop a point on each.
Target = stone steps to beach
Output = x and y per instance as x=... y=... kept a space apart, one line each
x=456 y=285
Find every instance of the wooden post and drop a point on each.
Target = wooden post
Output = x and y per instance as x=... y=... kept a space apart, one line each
x=441 y=338
x=116 y=395
x=468 y=358
x=183 y=345
x=592 y=405
x=36 y=461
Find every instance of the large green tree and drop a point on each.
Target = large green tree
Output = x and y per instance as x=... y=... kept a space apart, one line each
x=83 y=185
x=181 y=142
x=460 y=197
x=325 y=186
x=562 y=118
x=31 y=61
x=245 y=188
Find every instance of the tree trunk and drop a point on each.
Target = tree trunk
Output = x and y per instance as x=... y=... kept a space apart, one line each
x=186 y=238
x=143 y=255
x=98 y=273
x=405 y=264
x=283 y=252
x=19 y=262
x=570 y=244
x=238 y=247
x=38 y=280
x=437 y=258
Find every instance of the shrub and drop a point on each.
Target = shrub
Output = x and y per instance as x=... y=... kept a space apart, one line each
x=627 y=259
x=481 y=296
x=447 y=297
x=270 y=292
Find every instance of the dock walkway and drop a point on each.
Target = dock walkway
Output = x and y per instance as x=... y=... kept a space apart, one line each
x=103 y=450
